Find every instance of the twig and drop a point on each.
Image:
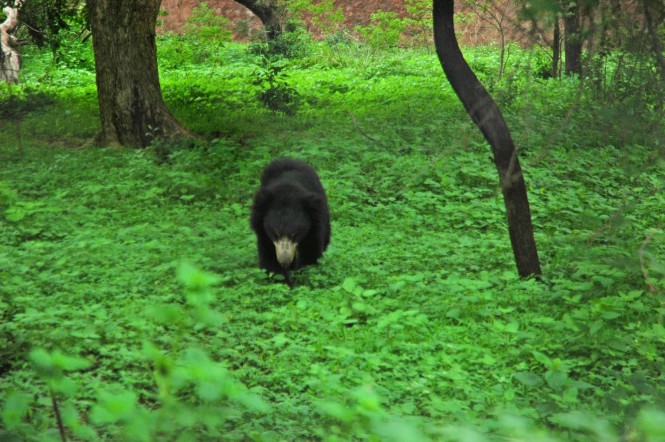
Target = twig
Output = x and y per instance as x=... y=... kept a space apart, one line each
x=359 y=129
x=61 y=427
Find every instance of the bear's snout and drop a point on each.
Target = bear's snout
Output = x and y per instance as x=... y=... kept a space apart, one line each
x=286 y=251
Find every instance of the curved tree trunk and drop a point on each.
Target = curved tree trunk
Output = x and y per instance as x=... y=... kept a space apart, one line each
x=10 y=59
x=267 y=12
x=484 y=112
x=131 y=106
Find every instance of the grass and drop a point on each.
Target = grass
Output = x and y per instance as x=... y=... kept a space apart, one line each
x=129 y=289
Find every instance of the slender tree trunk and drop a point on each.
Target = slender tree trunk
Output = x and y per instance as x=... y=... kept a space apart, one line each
x=10 y=59
x=268 y=13
x=502 y=53
x=652 y=28
x=573 y=39
x=556 y=48
x=486 y=115
x=131 y=106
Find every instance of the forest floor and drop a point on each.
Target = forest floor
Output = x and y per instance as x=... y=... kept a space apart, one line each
x=129 y=287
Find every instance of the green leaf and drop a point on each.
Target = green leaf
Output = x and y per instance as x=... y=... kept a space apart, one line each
x=453 y=313
x=596 y=326
x=556 y=379
x=594 y=425
x=42 y=361
x=69 y=363
x=113 y=407
x=168 y=314
x=15 y=409
x=194 y=278
x=15 y=214
x=336 y=411
x=542 y=358
x=529 y=379
x=570 y=395
x=650 y=423
x=350 y=286
x=253 y=402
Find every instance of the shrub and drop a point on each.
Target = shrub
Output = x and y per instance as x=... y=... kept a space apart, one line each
x=276 y=94
x=384 y=31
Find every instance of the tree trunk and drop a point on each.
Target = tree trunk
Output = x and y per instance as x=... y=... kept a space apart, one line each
x=267 y=12
x=556 y=48
x=486 y=115
x=131 y=106
x=652 y=28
x=573 y=39
x=10 y=59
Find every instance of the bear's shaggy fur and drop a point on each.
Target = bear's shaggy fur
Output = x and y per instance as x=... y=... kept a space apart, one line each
x=290 y=217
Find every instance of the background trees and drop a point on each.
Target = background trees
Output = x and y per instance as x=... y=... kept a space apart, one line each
x=588 y=30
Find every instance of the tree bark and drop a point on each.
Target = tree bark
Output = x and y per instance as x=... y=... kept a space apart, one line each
x=556 y=48
x=486 y=115
x=10 y=59
x=652 y=28
x=572 y=39
x=131 y=107
x=268 y=13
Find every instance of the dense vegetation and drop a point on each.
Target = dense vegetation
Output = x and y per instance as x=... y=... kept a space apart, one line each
x=131 y=304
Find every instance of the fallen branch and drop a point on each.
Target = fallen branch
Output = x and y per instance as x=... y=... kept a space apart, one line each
x=360 y=129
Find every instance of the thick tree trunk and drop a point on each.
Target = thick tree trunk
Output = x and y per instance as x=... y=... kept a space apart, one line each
x=572 y=39
x=267 y=12
x=10 y=59
x=131 y=106
x=486 y=115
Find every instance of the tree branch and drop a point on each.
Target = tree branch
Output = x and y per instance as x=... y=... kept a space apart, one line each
x=10 y=59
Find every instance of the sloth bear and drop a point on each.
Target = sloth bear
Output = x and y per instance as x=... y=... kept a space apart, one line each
x=290 y=217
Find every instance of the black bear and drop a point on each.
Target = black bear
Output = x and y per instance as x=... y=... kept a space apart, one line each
x=290 y=217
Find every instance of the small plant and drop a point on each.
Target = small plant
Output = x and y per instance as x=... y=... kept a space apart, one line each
x=419 y=21
x=323 y=14
x=276 y=94
x=190 y=393
x=384 y=31
x=294 y=42
x=207 y=31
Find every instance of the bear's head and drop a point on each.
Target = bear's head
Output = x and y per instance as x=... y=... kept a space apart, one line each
x=288 y=219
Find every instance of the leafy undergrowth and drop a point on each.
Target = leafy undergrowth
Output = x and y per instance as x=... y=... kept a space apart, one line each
x=130 y=296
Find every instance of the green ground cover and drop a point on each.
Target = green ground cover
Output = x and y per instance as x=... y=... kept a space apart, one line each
x=129 y=289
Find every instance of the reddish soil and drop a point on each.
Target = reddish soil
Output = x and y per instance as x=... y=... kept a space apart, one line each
x=356 y=12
